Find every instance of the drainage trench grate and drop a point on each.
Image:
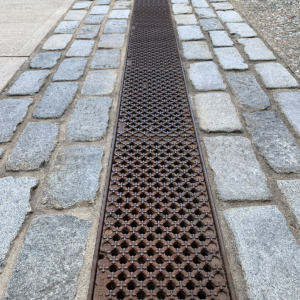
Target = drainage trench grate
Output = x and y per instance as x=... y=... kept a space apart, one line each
x=159 y=238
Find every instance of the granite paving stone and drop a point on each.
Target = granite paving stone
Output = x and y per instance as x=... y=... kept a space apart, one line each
x=67 y=27
x=33 y=148
x=74 y=176
x=185 y=20
x=81 y=48
x=82 y=5
x=275 y=76
x=75 y=15
x=205 y=76
x=211 y=24
x=274 y=141
x=50 y=260
x=190 y=32
x=94 y=19
x=180 y=1
x=196 y=50
x=289 y=102
x=220 y=38
x=99 y=82
x=230 y=16
x=57 y=42
x=216 y=113
x=29 y=83
x=89 y=120
x=88 y=32
x=122 y=5
x=1 y=154
x=217 y=0
x=45 y=60
x=119 y=14
x=102 y=2
x=237 y=174
x=230 y=58
x=247 y=91
x=14 y=206
x=100 y=10
x=115 y=26
x=200 y=3
x=241 y=30
x=56 y=99
x=70 y=69
x=12 y=112
x=111 y=40
x=205 y=13
x=268 y=252
x=182 y=9
x=222 y=6
x=106 y=59
x=256 y=49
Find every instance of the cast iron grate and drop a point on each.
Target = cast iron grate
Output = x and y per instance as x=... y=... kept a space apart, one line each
x=158 y=239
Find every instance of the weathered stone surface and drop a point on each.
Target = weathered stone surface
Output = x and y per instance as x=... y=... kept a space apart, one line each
x=56 y=99
x=196 y=50
x=275 y=76
x=269 y=254
x=102 y=2
x=45 y=60
x=230 y=16
x=88 y=32
x=99 y=82
x=89 y=120
x=1 y=152
x=81 y=48
x=289 y=103
x=206 y=77
x=211 y=24
x=94 y=19
x=100 y=10
x=217 y=0
x=29 y=83
x=190 y=32
x=82 y=5
x=50 y=260
x=75 y=15
x=67 y=27
x=199 y=3
x=182 y=9
x=241 y=29
x=216 y=113
x=111 y=40
x=57 y=42
x=14 y=206
x=180 y=1
x=33 y=148
x=230 y=58
x=74 y=176
x=237 y=174
x=115 y=26
x=119 y=14
x=12 y=112
x=274 y=141
x=205 y=13
x=70 y=69
x=256 y=49
x=220 y=38
x=106 y=59
x=222 y=6
x=247 y=91
x=122 y=5
x=185 y=20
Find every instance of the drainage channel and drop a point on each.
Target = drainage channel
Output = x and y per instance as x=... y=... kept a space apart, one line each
x=158 y=236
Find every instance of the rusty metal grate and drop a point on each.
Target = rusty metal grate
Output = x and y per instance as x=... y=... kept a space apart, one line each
x=158 y=239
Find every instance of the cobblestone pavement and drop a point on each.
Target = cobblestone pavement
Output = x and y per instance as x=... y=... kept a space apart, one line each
x=58 y=117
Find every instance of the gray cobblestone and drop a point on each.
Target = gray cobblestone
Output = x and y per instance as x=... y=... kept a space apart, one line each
x=81 y=48
x=50 y=260
x=185 y=20
x=94 y=19
x=57 y=42
x=12 y=112
x=88 y=32
x=70 y=69
x=122 y=5
x=1 y=152
x=102 y=2
x=33 y=148
x=196 y=50
x=217 y=0
x=182 y=9
x=67 y=27
x=230 y=16
x=200 y=3
x=45 y=60
x=115 y=26
x=14 y=206
x=56 y=99
x=241 y=29
x=180 y=1
x=68 y=183
x=190 y=32
x=220 y=38
x=75 y=15
x=29 y=83
x=111 y=40
x=274 y=141
x=222 y=6
x=211 y=24
x=119 y=14
x=106 y=59
x=237 y=174
x=205 y=13
x=89 y=120
x=230 y=58
x=82 y=5
x=100 y=10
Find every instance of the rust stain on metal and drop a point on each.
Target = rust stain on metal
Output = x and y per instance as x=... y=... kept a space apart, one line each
x=159 y=237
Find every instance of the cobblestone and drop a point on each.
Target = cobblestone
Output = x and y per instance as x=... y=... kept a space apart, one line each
x=45 y=60
x=247 y=91
x=190 y=32
x=180 y=1
x=57 y=42
x=67 y=27
x=106 y=59
x=56 y=99
x=70 y=69
x=205 y=76
x=14 y=206
x=74 y=176
x=200 y=3
x=222 y=6
x=33 y=148
x=119 y=14
x=211 y=24
x=230 y=16
x=99 y=82
x=102 y=2
x=217 y=0
x=82 y=5
x=1 y=154
x=205 y=13
x=220 y=38
x=29 y=83
x=230 y=59
x=88 y=32
x=115 y=26
x=50 y=260
x=274 y=141
x=100 y=10
x=275 y=76
x=111 y=40
x=268 y=252
x=94 y=20
x=81 y=48
x=89 y=120
x=122 y=5
x=185 y=20
x=75 y=15
x=196 y=50
x=237 y=174
x=241 y=30
x=182 y=9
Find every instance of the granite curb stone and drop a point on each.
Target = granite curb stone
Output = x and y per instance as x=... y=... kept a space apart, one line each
x=57 y=42
x=70 y=69
x=45 y=60
x=230 y=58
